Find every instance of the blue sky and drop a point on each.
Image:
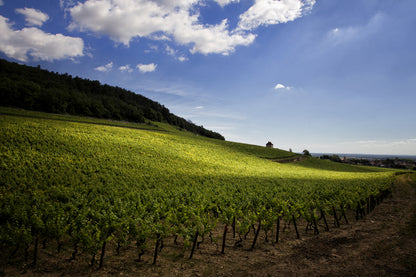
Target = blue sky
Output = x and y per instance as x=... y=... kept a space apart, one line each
x=327 y=76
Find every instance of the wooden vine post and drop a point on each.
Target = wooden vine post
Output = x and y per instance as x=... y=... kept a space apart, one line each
x=193 y=245
x=296 y=227
x=223 y=239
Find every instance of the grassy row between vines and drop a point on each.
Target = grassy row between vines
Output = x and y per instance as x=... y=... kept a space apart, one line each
x=87 y=182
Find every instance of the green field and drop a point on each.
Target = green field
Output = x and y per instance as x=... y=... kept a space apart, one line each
x=86 y=182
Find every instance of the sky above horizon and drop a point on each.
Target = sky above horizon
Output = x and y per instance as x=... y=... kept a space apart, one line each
x=323 y=75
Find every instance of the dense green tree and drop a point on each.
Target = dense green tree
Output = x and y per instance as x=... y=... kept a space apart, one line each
x=334 y=158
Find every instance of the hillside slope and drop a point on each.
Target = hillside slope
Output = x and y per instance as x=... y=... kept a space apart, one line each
x=84 y=184
x=33 y=88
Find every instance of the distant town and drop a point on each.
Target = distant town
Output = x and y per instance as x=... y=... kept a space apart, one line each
x=398 y=162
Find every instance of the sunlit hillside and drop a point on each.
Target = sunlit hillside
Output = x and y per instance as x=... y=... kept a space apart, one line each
x=86 y=182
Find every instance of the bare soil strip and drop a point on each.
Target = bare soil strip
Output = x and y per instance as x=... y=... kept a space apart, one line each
x=383 y=243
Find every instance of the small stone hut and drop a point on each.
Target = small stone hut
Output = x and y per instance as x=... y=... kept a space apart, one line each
x=269 y=145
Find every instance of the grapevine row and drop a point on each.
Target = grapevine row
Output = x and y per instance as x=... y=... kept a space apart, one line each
x=89 y=219
x=85 y=186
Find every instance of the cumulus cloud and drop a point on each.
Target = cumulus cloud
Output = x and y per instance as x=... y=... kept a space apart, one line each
x=179 y=20
x=105 y=68
x=280 y=86
x=146 y=67
x=270 y=12
x=123 y=20
x=215 y=39
x=33 y=17
x=18 y=44
x=125 y=68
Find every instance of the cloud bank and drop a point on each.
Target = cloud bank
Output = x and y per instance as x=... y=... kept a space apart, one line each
x=179 y=20
x=18 y=44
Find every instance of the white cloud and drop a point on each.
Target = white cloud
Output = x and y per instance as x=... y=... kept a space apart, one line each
x=125 y=68
x=170 y=51
x=147 y=67
x=182 y=58
x=160 y=37
x=214 y=39
x=177 y=4
x=65 y=5
x=280 y=86
x=174 y=53
x=223 y=3
x=105 y=68
x=179 y=20
x=153 y=48
x=123 y=20
x=351 y=33
x=270 y=12
x=33 y=17
x=17 y=44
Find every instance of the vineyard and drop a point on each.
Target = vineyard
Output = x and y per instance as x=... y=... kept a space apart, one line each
x=94 y=188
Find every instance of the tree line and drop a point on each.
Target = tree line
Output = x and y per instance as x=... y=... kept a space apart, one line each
x=37 y=89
